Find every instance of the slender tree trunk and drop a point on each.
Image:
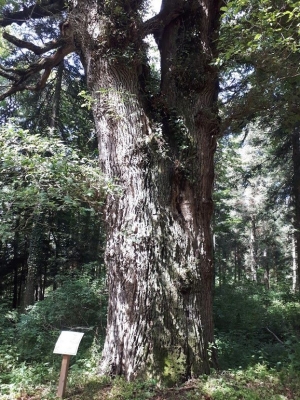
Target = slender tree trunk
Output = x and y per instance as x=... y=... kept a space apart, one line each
x=34 y=261
x=294 y=264
x=159 y=242
x=16 y=270
x=57 y=96
x=240 y=267
x=22 y=286
x=296 y=196
x=266 y=258
x=236 y=261
x=15 y=290
x=253 y=250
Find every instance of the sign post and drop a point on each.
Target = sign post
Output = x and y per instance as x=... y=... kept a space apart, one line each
x=63 y=375
x=67 y=344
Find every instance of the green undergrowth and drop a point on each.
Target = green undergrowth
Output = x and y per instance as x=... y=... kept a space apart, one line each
x=254 y=383
x=257 y=338
x=27 y=339
x=255 y=325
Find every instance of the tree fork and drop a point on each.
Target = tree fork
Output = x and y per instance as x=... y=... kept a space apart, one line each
x=159 y=244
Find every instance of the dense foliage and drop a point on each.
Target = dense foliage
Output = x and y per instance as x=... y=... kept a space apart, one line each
x=27 y=340
x=42 y=173
x=51 y=190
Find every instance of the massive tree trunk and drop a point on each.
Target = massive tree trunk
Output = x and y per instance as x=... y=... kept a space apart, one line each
x=159 y=149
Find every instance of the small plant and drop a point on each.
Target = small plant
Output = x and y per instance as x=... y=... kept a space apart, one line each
x=138 y=390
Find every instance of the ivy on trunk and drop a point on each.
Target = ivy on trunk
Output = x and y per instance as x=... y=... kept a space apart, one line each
x=158 y=145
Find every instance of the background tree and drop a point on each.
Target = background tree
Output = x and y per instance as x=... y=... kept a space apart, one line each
x=252 y=217
x=68 y=234
x=47 y=189
x=258 y=86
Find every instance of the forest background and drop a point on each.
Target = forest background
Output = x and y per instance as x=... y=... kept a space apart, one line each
x=52 y=273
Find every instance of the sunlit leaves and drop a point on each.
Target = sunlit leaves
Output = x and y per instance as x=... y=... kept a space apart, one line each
x=272 y=26
x=259 y=50
x=42 y=173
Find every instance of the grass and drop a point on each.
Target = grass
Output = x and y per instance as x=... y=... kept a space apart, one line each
x=255 y=383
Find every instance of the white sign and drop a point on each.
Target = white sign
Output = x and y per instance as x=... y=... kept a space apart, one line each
x=68 y=343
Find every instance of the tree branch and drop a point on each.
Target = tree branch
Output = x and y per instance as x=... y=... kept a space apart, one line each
x=156 y=24
x=5 y=74
x=37 y=10
x=12 y=90
x=23 y=75
x=38 y=50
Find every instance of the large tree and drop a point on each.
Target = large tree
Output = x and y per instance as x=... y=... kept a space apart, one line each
x=157 y=141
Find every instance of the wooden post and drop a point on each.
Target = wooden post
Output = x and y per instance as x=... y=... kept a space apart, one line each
x=67 y=345
x=63 y=375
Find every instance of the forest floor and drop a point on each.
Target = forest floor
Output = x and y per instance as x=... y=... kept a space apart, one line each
x=256 y=383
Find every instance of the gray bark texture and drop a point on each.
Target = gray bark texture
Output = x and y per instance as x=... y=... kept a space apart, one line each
x=158 y=145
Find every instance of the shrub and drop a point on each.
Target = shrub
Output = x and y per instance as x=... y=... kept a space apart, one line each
x=256 y=325
x=78 y=304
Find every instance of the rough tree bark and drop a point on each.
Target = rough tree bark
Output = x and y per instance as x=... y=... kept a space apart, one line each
x=158 y=144
x=159 y=245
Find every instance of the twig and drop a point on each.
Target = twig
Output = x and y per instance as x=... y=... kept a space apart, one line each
x=275 y=336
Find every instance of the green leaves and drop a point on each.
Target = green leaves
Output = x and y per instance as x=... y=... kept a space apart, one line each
x=42 y=173
x=260 y=25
